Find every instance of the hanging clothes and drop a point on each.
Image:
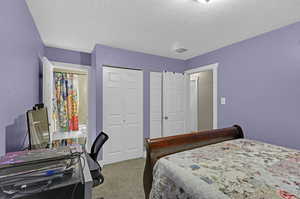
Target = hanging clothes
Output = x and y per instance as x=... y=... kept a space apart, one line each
x=66 y=102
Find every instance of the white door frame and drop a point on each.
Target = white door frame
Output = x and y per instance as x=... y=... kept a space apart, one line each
x=103 y=161
x=84 y=69
x=48 y=92
x=214 y=69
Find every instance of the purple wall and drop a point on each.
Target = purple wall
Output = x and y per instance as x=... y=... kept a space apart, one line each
x=68 y=56
x=20 y=48
x=260 y=79
x=105 y=55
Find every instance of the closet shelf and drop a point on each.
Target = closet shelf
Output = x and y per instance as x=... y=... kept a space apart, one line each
x=68 y=135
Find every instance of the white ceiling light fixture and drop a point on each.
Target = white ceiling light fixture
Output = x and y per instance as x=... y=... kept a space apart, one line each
x=181 y=50
x=178 y=48
x=202 y=1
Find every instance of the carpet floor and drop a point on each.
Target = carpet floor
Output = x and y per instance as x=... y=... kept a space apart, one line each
x=122 y=180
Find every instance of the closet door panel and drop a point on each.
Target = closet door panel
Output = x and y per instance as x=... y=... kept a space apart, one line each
x=132 y=113
x=113 y=114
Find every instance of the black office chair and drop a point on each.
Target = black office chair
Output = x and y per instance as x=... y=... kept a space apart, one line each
x=94 y=166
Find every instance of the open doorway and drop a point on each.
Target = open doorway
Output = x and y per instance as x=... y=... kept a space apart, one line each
x=201 y=98
x=66 y=96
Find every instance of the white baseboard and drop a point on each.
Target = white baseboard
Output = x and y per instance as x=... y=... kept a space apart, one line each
x=101 y=162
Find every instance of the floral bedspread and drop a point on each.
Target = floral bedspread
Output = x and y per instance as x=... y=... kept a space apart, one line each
x=236 y=169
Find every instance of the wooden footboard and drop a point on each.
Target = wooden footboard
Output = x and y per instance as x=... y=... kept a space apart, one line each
x=160 y=147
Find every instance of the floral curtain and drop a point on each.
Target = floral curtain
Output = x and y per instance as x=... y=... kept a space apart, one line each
x=66 y=102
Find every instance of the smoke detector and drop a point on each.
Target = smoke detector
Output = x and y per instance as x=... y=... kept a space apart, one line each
x=181 y=50
x=202 y=1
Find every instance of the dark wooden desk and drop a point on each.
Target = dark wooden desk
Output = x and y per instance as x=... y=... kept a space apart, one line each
x=76 y=186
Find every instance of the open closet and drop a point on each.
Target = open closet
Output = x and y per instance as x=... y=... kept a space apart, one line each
x=66 y=96
x=201 y=85
x=201 y=100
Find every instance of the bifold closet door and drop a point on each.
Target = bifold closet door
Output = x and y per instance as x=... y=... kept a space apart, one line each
x=155 y=104
x=173 y=103
x=122 y=114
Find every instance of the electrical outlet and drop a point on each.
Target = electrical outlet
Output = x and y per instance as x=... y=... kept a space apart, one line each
x=223 y=100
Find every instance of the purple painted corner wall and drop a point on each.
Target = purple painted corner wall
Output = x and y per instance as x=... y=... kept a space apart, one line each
x=105 y=55
x=68 y=56
x=260 y=79
x=76 y=57
x=20 y=49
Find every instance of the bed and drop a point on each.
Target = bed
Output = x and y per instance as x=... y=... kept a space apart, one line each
x=220 y=164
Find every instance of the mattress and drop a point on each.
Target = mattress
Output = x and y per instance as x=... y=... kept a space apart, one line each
x=236 y=169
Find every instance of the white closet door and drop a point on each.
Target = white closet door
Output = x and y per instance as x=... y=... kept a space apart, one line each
x=133 y=114
x=48 y=91
x=173 y=103
x=122 y=114
x=155 y=104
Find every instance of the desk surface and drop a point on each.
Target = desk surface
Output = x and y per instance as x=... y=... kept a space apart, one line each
x=81 y=174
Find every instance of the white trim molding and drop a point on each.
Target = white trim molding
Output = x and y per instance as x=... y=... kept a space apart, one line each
x=78 y=67
x=101 y=163
x=214 y=69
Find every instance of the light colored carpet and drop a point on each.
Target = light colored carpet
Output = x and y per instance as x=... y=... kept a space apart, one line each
x=122 y=180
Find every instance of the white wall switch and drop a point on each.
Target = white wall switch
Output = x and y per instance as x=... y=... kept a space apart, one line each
x=223 y=100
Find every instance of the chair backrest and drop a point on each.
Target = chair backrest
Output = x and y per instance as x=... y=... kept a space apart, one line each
x=97 y=145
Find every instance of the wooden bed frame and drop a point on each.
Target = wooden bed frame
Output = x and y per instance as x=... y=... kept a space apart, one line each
x=160 y=147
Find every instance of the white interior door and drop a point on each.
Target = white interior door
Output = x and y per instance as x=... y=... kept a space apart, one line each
x=122 y=114
x=48 y=91
x=155 y=104
x=173 y=103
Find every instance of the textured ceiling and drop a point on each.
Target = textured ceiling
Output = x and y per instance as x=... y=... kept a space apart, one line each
x=158 y=26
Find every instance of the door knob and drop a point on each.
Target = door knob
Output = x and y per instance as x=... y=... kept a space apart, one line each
x=166 y=117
